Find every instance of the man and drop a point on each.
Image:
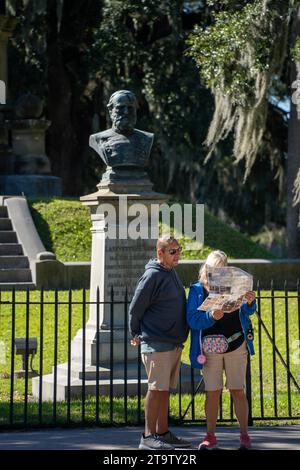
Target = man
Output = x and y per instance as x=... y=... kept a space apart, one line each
x=157 y=320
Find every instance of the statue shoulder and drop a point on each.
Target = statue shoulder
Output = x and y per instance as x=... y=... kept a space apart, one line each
x=100 y=136
x=143 y=135
x=96 y=139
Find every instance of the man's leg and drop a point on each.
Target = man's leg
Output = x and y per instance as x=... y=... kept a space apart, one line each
x=162 y=419
x=156 y=412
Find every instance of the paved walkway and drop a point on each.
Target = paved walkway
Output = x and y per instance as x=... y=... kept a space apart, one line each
x=264 y=438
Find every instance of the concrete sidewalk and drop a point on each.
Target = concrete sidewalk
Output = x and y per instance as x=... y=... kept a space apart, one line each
x=125 y=438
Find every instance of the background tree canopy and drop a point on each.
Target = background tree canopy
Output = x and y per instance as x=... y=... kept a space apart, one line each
x=246 y=57
x=76 y=53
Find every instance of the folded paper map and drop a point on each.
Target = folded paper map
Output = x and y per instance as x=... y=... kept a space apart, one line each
x=227 y=288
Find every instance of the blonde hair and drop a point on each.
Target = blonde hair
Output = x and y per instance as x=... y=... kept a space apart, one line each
x=216 y=258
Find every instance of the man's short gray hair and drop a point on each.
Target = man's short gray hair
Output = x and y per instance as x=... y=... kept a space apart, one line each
x=164 y=242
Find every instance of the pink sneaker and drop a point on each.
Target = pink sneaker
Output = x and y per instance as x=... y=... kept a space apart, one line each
x=209 y=442
x=245 y=441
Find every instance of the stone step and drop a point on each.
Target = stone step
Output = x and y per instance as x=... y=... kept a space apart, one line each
x=104 y=372
x=5 y=223
x=3 y=211
x=90 y=388
x=8 y=286
x=10 y=249
x=8 y=236
x=15 y=275
x=14 y=262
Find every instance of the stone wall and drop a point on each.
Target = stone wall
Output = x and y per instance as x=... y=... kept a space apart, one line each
x=54 y=274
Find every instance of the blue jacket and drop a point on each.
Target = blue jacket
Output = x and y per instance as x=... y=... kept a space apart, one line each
x=158 y=309
x=199 y=320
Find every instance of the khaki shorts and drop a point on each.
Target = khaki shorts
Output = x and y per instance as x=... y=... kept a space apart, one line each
x=235 y=365
x=162 y=369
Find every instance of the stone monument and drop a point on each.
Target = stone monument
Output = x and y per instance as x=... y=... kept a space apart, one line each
x=117 y=261
x=24 y=165
x=27 y=167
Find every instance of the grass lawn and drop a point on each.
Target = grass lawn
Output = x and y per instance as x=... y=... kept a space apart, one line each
x=64 y=227
x=262 y=379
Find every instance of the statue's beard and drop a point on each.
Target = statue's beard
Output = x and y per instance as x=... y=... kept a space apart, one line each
x=124 y=124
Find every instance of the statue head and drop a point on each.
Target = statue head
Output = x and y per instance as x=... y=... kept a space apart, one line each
x=122 y=107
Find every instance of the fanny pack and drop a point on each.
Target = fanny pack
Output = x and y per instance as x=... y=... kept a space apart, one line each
x=218 y=343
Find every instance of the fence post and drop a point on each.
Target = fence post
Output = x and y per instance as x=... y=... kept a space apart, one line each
x=41 y=356
x=83 y=355
x=12 y=366
x=26 y=357
x=125 y=354
x=97 y=355
x=286 y=303
x=69 y=356
x=111 y=380
x=273 y=348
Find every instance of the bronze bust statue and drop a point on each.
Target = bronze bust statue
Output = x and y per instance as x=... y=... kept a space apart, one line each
x=124 y=149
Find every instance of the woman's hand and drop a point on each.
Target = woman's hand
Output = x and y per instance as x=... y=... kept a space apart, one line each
x=217 y=314
x=250 y=297
x=135 y=341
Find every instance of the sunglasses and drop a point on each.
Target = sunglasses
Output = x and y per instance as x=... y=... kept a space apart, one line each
x=172 y=251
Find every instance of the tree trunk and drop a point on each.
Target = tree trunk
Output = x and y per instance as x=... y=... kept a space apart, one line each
x=293 y=162
x=69 y=112
x=60 y=135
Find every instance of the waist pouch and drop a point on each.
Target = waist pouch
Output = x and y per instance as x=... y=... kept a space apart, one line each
x=218 y=343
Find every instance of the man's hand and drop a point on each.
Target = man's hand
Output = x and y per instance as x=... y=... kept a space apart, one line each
x=135 y=341
x=217 y=314
x=250 y=297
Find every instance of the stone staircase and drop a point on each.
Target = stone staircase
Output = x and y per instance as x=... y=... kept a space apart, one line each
x=14 y=266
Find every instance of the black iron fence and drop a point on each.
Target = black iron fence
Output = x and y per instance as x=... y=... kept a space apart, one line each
x=42 y=383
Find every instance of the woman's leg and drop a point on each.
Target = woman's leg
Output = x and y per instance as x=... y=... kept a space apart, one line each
x=211 y=409
x=235 y=369
x=213 y=380
x=241 y=408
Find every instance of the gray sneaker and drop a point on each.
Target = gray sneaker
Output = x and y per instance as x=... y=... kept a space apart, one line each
x=176 y=442
x=154 y=443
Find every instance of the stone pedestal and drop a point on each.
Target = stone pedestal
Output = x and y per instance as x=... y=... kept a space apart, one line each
x=28 y=146
x=116 y=264
x=28 y=170
x=31 y=185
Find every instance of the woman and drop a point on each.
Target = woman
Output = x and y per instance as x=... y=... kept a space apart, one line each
x=236 y=327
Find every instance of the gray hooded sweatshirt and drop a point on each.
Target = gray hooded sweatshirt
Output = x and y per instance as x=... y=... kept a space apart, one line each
x=158 y=309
